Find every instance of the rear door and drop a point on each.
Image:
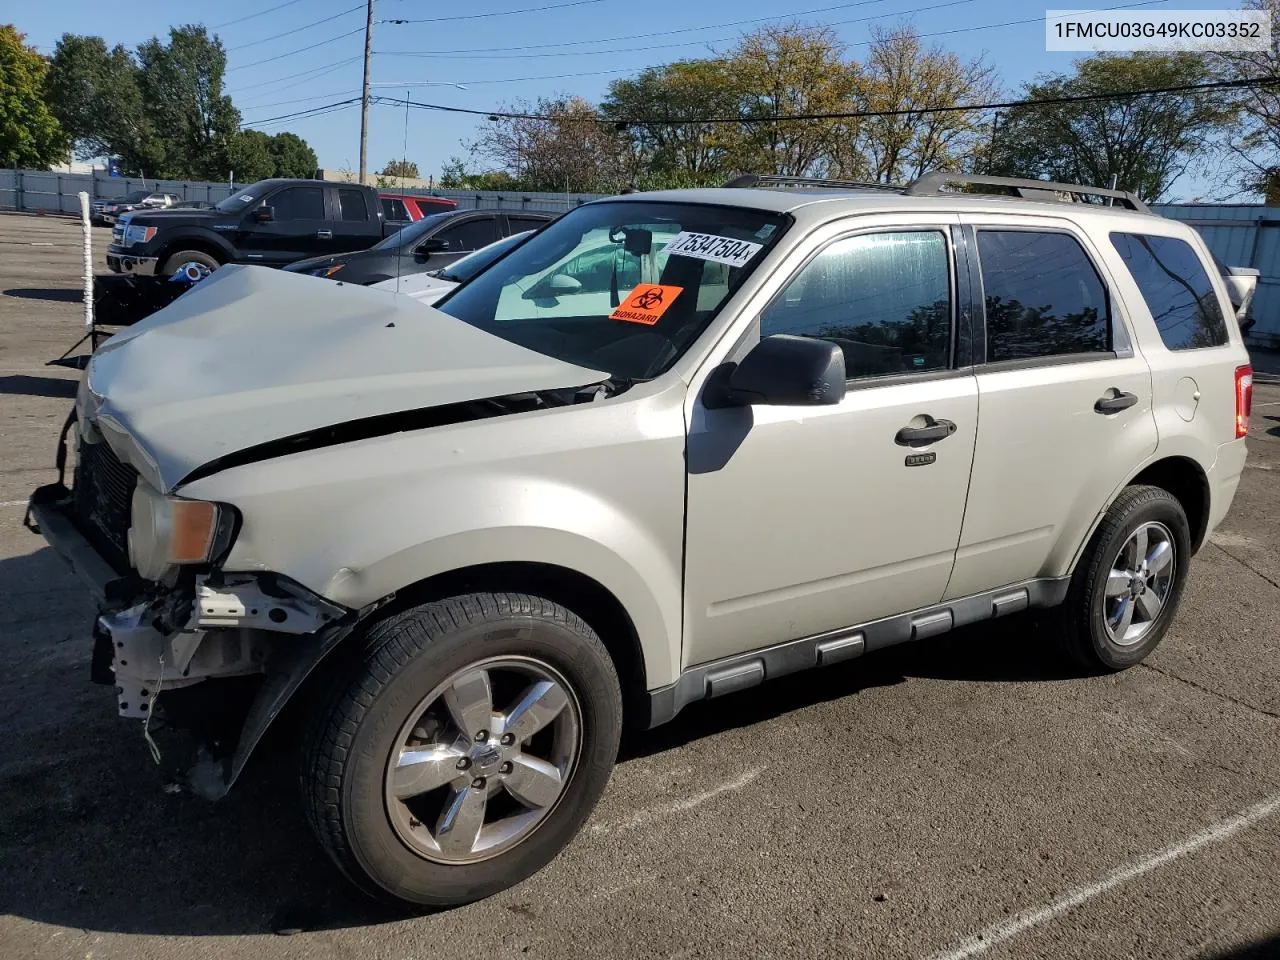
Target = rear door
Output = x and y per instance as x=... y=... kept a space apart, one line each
x=299 y=227
x=1065 y=412
x=355 y=225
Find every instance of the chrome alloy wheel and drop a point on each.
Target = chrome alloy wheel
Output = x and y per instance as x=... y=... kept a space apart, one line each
x=466 y=781
x=1139 y=584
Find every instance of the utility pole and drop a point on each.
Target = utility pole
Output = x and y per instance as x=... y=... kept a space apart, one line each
x=364 y=100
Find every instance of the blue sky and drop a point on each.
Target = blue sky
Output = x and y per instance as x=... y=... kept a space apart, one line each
x=576 y=49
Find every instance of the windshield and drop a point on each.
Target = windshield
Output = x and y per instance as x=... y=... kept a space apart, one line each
x=241 y=199
x=413 y=232
x=625 y=286
x=463 y=270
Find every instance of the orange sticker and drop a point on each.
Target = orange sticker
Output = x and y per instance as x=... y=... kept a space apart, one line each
x=646 y=304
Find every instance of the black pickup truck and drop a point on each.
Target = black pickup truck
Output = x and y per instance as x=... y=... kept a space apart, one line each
x=273 y=222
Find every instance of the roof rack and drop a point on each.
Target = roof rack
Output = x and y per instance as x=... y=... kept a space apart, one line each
x=934 y=184
x=768 y=179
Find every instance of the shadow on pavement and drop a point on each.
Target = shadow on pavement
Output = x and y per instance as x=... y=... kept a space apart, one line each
x=23 y=385
x=1268 y=949
x=54 y=294
x=91 y=840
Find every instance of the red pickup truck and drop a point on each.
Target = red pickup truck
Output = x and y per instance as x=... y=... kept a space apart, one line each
x=405 y=208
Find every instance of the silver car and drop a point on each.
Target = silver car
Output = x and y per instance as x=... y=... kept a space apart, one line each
x=670 y=447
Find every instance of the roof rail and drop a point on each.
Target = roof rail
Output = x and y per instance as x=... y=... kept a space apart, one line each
x=933 y=184
x=768 y=179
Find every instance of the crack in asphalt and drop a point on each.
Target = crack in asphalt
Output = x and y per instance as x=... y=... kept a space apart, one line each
x=1213 y=693
x=1246 y=564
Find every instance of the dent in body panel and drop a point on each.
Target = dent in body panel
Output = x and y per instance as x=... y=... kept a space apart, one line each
x=599 y=491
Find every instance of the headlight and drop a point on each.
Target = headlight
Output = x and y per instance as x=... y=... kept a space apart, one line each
x=138 y=234
x=327 y=271
x=172 y=531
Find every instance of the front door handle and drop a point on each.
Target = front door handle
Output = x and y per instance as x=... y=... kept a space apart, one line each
x=1121 y=401
x=324 y=234
x=922 y=436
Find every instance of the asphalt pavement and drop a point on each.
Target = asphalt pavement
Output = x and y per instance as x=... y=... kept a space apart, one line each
x=967 y=796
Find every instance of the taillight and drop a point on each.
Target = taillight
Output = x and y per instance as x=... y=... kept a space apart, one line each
x=1244 y=399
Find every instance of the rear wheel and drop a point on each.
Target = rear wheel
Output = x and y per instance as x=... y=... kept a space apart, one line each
x=464 y=747
x=1127 y=587
x=195 y=259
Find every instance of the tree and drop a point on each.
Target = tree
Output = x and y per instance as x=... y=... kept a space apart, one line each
x=1255 y=143
x=181 y=85
x=400 y=169
x=454 y=176
x=900 y=74
x=250 y=158
x=564 y=147
x=1146 y=142
x=293 y=156
x=793 y=71
x=30 y=135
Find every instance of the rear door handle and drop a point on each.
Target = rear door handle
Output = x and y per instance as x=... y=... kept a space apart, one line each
x=921 y=436
x=1121 y=401
x=324 y=234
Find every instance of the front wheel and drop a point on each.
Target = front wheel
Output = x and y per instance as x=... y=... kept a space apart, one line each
x=464 y=747
x=195 y=260
x=1128 y=584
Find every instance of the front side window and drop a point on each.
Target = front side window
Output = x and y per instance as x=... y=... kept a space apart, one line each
x=883 y=298
x=352 y=204
x=468 y=235
x=298 y=203
x=1043 y=297
x=1176 y=288
x=526 y=223
x=624 y=286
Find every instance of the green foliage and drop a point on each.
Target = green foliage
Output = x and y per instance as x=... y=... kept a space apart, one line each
x=401 y=168
x=30 y=135
x=454 y=176
x=1145 y=142
x=293 y=156
x=163 y=112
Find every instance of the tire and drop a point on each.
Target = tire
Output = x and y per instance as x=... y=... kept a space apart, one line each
x=408 y=690
x=175 y=261
x=1091 y=621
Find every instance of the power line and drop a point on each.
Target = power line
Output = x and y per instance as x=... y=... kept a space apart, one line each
x=313 y=111
x=861 y=114
x=444 y=54
x=498 y=13
x=289 y=33
x=283 y=103
x=294 y=53
x=667 y=33
x=314 y=73
x=260 y=13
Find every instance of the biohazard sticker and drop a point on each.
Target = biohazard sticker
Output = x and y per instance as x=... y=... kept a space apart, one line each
x=708 y=246
x=646 y=304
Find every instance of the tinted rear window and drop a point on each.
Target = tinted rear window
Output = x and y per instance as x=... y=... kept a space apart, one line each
x=1176 y=288
x=1042 y=296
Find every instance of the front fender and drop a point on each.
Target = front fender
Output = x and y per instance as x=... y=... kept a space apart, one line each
x=185 y=237
x=597 y=489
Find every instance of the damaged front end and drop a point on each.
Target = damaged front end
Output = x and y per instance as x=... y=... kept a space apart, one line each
x=217 y=653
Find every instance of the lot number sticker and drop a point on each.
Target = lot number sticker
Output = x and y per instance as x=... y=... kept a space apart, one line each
x=646 y=304
x=707 y=246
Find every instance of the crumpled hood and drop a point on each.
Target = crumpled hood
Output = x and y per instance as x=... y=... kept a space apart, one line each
x=253 y=354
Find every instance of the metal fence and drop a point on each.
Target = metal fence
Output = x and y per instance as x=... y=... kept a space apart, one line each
x=42 y=191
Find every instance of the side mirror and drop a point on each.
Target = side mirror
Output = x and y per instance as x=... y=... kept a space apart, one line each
x=264 y=214
x=431 y=245
x=784 y=370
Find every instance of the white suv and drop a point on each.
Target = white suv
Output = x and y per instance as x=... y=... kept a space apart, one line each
x=671 y=446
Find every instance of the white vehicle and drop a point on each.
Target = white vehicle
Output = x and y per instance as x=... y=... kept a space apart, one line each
x=430 y=287
x=671 y=446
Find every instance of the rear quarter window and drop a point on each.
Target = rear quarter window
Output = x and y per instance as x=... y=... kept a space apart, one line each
x=1176 y=289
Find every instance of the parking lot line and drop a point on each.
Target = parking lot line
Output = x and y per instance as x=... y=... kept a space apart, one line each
x=1000 y=932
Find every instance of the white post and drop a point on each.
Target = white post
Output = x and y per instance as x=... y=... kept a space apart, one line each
x=88 y=260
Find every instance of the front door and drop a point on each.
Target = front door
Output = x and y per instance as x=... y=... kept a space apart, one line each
x=807 y=519
x=1065 y=403
x=299 y=227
